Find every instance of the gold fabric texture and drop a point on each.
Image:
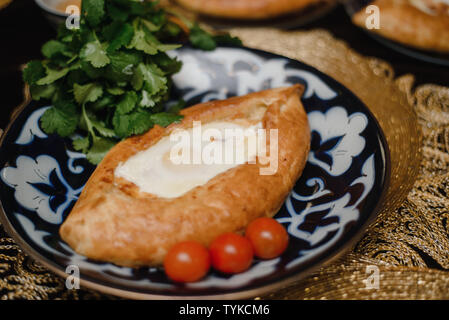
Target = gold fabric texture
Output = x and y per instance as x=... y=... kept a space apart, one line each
x=407 y=246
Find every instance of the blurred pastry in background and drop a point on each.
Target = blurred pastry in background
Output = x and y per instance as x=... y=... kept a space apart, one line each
x=423 y=24
x=248 y=9
x=4 y=3
x=62 y=5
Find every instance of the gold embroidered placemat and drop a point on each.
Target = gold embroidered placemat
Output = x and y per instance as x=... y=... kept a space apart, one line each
x=407 y=249
x=405 y=254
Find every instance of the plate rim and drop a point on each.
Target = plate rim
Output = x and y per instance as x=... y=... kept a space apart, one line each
x=410 y=52
x=238 y=294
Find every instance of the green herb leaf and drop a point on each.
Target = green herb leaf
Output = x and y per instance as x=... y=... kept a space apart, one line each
x=146 y=100
x=33 y=71
x=99 y=148
x=167 y=64
x=122 y=65
x=228 y=40
x=149 y=77
x=164 y=118
x=115 y=91
x=95 y=53
x=52 y=75
x=53 y=47
x=150 y=26
x=140 y=122
x=139 y=42
x=127 y=103
x=201 y=39
x=117 y=14
x=87 y=93
x=175 y=108
x=43 y=92
x=105 y=101
x=137 y=122
x=81 y=144
x=91 y=71
x=102 y=130
x=64 y=34
x=122 y=37
x=121 y=123
x=168 y=47
x=93 y=11
x=61 y=119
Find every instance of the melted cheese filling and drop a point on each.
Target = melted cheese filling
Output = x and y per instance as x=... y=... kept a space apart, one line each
x=429 y=6
x=161 y=170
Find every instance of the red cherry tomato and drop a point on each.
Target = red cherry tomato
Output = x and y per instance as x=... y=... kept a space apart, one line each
x=187 y=261
x=231 y=253
x=268 y=237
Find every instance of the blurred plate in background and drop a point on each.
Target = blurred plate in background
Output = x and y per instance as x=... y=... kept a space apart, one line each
x=354 y=6
x=285 y=21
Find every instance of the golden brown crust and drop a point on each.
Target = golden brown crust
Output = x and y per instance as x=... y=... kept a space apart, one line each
x=402 y=22
x=113 y=221
x=247 y=9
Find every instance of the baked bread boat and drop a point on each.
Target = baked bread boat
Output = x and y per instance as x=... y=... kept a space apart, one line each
x=121 y=221
x=248 y=9
x=423 y=24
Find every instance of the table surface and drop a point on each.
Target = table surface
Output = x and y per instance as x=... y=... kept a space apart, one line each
x=23 y=30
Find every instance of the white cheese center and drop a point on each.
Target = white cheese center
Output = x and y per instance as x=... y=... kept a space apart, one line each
x=174 y=165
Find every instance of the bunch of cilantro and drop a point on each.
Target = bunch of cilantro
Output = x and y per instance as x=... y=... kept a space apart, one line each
x=110 y=77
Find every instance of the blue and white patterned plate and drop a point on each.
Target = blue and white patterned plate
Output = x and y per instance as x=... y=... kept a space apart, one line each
x=338 y=194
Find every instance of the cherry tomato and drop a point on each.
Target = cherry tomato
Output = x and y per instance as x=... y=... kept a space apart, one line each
x=187 y=261
x=231 y=253
x=268 y=237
